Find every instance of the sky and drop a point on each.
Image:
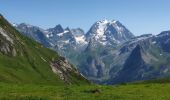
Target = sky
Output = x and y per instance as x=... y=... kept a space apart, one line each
x=139 y=16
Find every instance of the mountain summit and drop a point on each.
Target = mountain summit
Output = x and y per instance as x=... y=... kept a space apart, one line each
x=109 y=32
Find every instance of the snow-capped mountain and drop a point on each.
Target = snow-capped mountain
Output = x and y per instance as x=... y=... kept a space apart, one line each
x=104 y=32
x=58 y=35
x=53 y=35
x=83 y=50
x=108 y=53
x=79 y=36
x=66 y=38
x=109 y=32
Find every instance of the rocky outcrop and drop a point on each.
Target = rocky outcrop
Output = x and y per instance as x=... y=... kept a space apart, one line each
x=65 y=71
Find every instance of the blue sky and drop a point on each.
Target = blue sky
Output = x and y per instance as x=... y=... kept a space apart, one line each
x=139 y=16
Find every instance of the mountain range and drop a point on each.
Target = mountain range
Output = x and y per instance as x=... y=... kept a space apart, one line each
x=108 y=53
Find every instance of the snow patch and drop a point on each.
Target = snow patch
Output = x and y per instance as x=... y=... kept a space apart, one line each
x=154 y=42
x=61 y=34
x=49 y=35
x=114 y=21
x=66 y=41
x=80 y=39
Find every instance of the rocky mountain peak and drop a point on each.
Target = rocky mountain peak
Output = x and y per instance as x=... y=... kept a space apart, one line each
x=109 y=32
x=57 y=29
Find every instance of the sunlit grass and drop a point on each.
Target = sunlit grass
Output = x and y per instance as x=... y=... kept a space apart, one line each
x=85 y=92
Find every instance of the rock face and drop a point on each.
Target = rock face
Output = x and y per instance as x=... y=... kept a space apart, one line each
x=65 y=71
x=6 y=43
x=147 y=59
x=134 y=67
x=109 y=53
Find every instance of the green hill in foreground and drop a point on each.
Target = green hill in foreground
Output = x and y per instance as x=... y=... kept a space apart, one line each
x=23 y=60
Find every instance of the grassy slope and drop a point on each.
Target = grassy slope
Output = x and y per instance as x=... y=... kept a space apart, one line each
x=28 y=66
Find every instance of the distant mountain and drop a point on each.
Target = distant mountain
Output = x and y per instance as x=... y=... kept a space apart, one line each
x=148 y=58
x=33 y=32
x=88 y=50
x=56 y=29
x=109 y=32
x=109 y=53
x=104 y=38
x=23 y=60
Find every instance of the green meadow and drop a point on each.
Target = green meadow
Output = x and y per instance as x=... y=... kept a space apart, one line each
x=144 y=91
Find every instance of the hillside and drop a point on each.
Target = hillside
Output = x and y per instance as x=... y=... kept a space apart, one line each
x=22 y=60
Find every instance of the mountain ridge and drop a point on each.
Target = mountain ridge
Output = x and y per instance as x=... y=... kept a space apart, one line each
x=105 y=53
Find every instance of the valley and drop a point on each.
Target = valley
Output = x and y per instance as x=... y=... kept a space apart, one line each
x=29 y=71
x=107 y=61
